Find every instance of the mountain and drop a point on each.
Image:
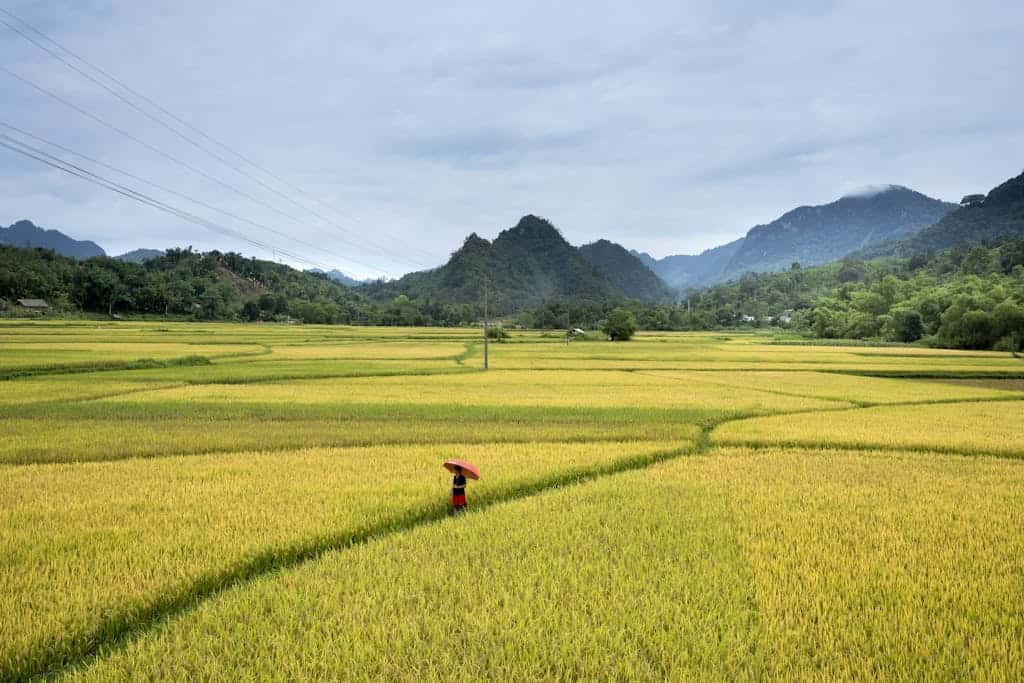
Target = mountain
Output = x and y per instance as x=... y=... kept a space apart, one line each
x=626 y=272
x=813 y=235
x=140 y=255
x=27 y=234
x=988 y=218
x=809 y=235
x=525 y=266
x=686 y=270
x=338 y=277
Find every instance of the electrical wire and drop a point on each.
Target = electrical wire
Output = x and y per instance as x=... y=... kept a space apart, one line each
x=191 y=127
x=186 y=197
x=77 y=171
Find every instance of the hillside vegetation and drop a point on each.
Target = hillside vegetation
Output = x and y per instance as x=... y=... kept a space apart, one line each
x=525 y=266
x=983 y=219
x=181 y=283
x=960 y=298
x=626 y=272
x=813 y=235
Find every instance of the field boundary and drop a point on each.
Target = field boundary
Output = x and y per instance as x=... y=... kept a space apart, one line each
x=868 y=448
x=104 y=366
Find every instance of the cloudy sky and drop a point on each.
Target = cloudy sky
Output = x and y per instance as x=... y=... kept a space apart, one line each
x=400 y=127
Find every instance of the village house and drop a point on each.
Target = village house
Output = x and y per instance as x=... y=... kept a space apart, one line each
x=33 y=305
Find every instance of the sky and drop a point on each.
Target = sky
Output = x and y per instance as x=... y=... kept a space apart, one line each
x=398 y=128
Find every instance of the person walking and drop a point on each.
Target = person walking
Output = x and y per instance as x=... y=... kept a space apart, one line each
x=462 y=470
x=458 y=491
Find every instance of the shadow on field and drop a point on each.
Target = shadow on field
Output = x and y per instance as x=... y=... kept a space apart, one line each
x=50 y=659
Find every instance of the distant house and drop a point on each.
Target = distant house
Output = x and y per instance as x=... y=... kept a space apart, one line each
x=786 y=317
x=973 y=200
x=35 y=305
x=748 y=319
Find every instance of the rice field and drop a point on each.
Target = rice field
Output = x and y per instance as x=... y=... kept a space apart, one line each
x=230 y=502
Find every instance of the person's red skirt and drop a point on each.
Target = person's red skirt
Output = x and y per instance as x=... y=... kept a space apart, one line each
x=459 y=501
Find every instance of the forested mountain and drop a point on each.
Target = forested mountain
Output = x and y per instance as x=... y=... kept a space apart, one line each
x=980 y=219
x=524 y=266
x=626 y=272
x=812 y=235
x=28 y=235
x=809 y=235
x=693 y=270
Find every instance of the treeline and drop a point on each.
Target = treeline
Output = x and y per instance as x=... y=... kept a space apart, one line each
x=965 y=298
x=184 y=284
x=969 y=298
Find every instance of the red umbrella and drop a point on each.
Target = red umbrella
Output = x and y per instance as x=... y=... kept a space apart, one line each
x=468 y=468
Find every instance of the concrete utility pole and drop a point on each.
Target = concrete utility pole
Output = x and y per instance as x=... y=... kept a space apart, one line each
x=486 y=340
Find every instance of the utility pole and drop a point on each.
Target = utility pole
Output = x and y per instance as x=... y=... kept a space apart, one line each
x=486 y=340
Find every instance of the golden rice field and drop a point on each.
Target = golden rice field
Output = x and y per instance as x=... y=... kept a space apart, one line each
x=238 y=502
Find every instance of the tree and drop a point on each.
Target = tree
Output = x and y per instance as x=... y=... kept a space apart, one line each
x=120 y=294
x=251 y=311
x=862 y=326
x=498 y=334
x=968 y=329
x=620 y=326
x=95 y=286
x=907 y=325
x=981 y=261
x=827 y=323
x=1009 y=318
x=851 y=271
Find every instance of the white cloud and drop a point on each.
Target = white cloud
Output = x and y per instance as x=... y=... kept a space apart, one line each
x=670 y=127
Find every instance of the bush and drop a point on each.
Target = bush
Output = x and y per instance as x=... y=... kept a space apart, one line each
x=498 y=334
x=620 y=326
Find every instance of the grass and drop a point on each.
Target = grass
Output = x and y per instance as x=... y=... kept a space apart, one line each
x=682 y=506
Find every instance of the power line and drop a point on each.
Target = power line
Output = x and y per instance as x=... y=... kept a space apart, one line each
x=184 y=123
x=77 y=171
x=155 y=150
x=181 y=195
x=158 y=151
x=71 y=169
